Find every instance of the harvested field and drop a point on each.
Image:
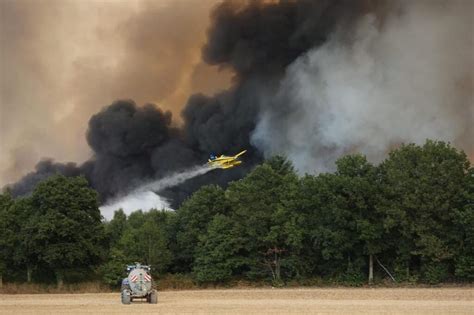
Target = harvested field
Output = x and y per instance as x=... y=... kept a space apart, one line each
x=254 y=301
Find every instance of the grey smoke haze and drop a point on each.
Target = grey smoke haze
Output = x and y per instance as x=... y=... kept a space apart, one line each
x=402 y=77
x=313 y=80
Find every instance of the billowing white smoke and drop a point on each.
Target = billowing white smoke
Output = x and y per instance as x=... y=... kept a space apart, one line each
x=144 y=200
x=144 y=197
x=404 y=79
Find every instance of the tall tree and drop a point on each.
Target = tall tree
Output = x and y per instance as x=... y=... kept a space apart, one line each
x=361 y=192
x=23 y=224
x=265 y=221
x=192 y=220
x=331 y=228
x=215 y=258
x=67 y=231
x=115 y=228
x=113 y=267
x=423 y=187
x=464 y=220
x=7 y=232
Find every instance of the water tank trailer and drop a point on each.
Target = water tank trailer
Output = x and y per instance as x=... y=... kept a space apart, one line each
x=138 y=285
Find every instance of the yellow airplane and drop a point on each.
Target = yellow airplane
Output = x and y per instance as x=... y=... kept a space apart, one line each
x=225 y=161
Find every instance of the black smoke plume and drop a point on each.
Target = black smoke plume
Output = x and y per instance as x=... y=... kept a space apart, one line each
x=257 y=40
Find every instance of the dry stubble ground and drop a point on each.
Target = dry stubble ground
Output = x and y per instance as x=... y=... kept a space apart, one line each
x=255 y=301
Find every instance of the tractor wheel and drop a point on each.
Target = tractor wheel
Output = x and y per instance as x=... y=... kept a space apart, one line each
x=126 y=298
x=153 y=297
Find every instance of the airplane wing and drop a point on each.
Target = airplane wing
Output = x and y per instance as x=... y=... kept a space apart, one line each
x=224 y=158
x=239 y=154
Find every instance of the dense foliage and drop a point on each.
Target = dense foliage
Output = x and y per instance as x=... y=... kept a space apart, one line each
x=410 y=218
x=57 y=229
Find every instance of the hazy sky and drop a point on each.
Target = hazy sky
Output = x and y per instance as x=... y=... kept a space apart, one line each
x=63 y=60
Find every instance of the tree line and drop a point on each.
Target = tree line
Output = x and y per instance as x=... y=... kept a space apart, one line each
x=410 y=218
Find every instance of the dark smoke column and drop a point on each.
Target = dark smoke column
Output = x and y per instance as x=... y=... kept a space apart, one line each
x=123 y=138
x=257 y=41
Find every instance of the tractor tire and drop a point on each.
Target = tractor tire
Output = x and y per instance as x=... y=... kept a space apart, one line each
x=126 y=297
x=152 y=297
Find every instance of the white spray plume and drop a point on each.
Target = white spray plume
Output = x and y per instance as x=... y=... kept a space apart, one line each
x=144 y=197
x=404 y=80
x=144 y=200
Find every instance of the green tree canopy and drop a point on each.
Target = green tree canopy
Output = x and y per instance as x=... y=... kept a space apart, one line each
x=216 y=252
x=423 y=189
x=66 y=224
x=149 y=242
x=411 y=216
x=192 y=220
x=8 y=232
x=266 y=224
